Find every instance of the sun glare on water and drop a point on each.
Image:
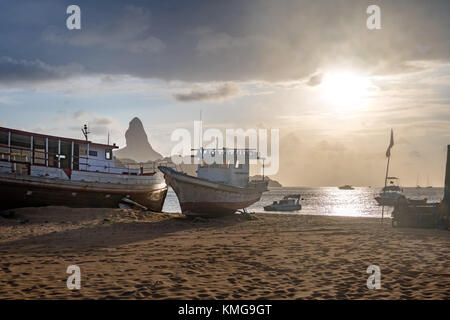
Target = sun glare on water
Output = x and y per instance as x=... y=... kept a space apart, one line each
x=345 y=91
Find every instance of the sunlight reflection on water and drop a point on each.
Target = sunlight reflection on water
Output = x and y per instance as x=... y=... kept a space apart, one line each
x=359 y=202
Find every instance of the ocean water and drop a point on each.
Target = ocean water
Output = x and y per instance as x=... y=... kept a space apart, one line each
x=331 y=201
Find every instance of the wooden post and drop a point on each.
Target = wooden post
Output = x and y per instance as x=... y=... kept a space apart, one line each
x=71 y=158
x=31 y=148
x=46 y=152
x=9 y=145
x=87 y=157
x=59 y=153
x=263 y=169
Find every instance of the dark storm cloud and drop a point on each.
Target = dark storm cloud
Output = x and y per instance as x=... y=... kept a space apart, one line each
x=222 y=40
x=12 y=70
x=223 y=91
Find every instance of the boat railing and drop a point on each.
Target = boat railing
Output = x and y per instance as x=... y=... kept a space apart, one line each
x=17 y=155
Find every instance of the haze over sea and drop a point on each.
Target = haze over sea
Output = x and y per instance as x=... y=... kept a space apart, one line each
x=331 y=201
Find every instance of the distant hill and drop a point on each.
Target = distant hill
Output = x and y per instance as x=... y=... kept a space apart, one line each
x=272 y=183
x=138 y=147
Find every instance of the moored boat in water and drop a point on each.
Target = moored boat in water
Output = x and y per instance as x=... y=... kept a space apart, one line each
x=288 y=203
x=41 y=170
x=391 y=193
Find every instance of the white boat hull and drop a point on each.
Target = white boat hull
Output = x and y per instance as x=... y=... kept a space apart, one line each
x=200 y=197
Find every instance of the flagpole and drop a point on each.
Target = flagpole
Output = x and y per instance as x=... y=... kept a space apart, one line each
x=385 y=184
x=388 y=154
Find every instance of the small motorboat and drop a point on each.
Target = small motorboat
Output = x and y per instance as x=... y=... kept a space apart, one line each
x=391 y=193
x=288 y=203
x=346 y=187
x=417 y=201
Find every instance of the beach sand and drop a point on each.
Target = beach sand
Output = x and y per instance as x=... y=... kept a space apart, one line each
x=127 y=254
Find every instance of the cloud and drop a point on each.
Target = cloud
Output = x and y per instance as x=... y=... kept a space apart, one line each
x=100 y=125
x=130 y=32
x=13 y=70
x=80 y=114
x=210 y=41
x=315 y=80
x=224 y=91
x=4 y=100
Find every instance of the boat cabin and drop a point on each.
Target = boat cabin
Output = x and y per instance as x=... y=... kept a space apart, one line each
x=393 y=185
x=288 y=202
x=226 y=166
x=21 y=147
x=42 y=155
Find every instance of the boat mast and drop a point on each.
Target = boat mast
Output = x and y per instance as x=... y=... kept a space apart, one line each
x=85 y=131
x=385 y=184
x=263 y=159
x=200 y=142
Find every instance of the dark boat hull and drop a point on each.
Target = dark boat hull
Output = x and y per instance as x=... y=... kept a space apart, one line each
x=22 y=193
x=281 y=209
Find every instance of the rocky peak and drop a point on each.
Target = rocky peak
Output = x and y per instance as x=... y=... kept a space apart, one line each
x=138 y=147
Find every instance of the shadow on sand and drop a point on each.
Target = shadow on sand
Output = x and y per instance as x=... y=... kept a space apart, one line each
x=109 y=233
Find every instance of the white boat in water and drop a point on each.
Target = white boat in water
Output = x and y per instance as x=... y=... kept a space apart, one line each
x=222 y=187
x=390 y=195
x=288 y=203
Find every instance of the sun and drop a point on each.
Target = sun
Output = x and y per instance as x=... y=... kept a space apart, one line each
x=345 y=90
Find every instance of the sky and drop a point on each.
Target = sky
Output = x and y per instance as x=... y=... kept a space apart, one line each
x=311 y=69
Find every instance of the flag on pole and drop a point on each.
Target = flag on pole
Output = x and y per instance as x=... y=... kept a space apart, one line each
x=391 y=144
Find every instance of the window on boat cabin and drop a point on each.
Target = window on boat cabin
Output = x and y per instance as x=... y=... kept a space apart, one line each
x=3 y=145
x=20 y=147
x=66 y=151
x=18 y=140
x=108 y=154
x=83 y=149
x=76 y=156
x=4 y=138
x=93 y=153
x=39 y=150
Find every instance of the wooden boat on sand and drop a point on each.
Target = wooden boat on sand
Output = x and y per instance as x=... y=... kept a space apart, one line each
x=219 y=188
x=41 y=170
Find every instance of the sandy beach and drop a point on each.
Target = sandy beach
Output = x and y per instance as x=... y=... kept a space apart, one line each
x=128 y=254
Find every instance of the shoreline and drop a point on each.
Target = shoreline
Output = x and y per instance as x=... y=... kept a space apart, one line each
x=128 y=254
